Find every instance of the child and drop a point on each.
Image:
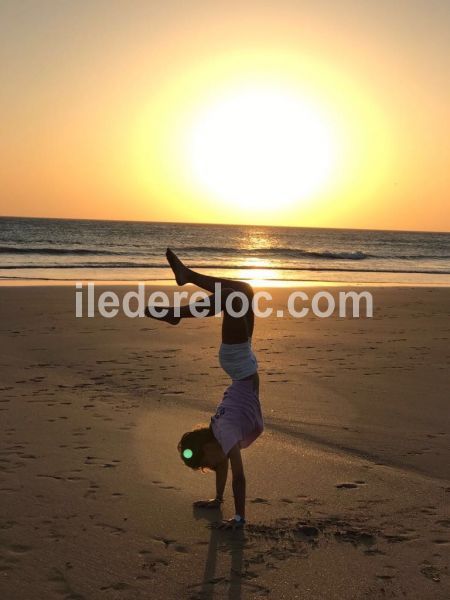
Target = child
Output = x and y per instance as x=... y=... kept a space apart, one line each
x=238 y=420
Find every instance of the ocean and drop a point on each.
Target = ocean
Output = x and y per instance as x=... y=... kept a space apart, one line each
x=56 y=250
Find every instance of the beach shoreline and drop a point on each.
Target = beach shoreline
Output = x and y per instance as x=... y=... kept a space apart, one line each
x=348 y=487
x=259 y=284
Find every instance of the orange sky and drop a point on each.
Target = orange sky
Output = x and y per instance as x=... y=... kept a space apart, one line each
x=144 y=111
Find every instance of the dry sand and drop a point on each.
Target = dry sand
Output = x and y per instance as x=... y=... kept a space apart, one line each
x=348 y=488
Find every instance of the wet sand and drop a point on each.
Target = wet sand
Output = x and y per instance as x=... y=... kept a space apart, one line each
x=348 y=488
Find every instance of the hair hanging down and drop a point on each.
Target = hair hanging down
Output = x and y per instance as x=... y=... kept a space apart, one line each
x=194 y=441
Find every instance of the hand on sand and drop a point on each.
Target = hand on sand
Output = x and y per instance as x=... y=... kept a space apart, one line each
x=213 y=503
x=229 y=524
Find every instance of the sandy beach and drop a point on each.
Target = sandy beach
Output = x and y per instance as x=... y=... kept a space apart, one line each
x=348 y=488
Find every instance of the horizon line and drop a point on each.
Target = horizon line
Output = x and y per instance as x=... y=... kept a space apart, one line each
x=222 y=224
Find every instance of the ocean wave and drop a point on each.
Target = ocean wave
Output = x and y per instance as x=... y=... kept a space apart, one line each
x=277 y=251
x=101 y=265
x=216 y=251
x=286 y=252
x=339 y=255
x=302 y=253
x=224 y=267
x=58 y=251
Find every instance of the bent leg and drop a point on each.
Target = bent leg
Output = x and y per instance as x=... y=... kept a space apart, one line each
x=185 y=275
x=234 y=328
x=228 y=286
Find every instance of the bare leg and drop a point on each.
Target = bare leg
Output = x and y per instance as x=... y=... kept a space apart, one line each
x=185 y=275
x=234 y=329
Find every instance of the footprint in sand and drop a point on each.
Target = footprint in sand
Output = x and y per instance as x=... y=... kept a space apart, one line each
x=18 y=548
x=111 y=528
x=165 y=541
x=393 y=538
x=355 y=537
x=430 y=572
x=154 y=564
x=62 y=585
x=444 y=522
x=120 y=585
x=163 y=486
x=307 y=531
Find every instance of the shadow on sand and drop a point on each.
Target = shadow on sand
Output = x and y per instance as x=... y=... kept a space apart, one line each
x=221 y=543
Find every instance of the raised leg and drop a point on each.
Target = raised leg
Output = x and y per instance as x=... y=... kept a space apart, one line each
x=234 y=328
x=185 y=275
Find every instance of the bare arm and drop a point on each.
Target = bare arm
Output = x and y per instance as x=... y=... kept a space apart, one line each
x=237 y=468
x=221 y=478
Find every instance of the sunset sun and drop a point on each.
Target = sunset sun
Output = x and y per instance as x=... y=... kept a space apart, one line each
x=260 y=148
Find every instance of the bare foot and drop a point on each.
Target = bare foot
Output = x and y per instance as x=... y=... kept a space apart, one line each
x=180 y=271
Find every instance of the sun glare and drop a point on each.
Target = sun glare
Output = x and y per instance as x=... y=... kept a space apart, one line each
x=260 y=148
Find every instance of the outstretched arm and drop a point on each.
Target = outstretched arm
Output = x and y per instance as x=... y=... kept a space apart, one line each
x=221 y=480
x=237 y=469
